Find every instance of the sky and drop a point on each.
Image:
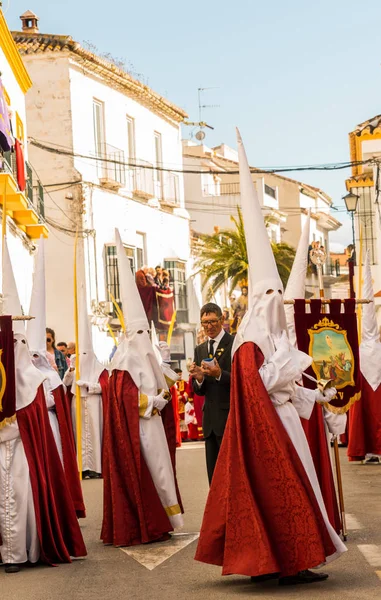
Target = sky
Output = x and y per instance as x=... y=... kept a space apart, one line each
x=296 y=77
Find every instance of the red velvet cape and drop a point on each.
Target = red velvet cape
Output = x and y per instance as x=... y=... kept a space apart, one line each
x=132 y=511
x=365 y=424
x=57 y=526
x=261 y=514
x=68 y=450
x=314 y=428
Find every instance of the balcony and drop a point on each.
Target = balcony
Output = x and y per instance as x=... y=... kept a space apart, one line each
x=143 y=180
x=26 y=208
x=171 y=190
x=110 y=167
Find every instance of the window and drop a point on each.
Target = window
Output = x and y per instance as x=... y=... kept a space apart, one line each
x=99 y=127
x=176 y=269
x=158 y=175
x=130 y=139
x=270 y=191
x=140 y=249
x=112 y=271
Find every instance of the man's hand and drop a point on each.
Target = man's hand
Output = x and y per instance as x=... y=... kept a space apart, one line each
x=196 y=372
x=212 y=369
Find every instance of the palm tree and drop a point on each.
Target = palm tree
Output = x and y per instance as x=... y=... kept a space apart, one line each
x=223 y=256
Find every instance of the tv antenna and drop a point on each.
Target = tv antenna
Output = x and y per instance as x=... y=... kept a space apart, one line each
x=200 y=134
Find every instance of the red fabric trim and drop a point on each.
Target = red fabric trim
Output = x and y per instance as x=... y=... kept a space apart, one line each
x=58 y=530
x=365 y=424
x=132 y=511
x=261 y=514
x=68 y=450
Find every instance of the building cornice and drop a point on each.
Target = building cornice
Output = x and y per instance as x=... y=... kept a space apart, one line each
x=12 y=55
x=37 y=43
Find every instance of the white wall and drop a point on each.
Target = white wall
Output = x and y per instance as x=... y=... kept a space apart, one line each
x=84 y=88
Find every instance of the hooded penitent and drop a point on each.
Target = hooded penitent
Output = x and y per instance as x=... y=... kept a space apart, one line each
x=140 y=500
x=296 y=285
x=90 y=369
x=36 y=327
x=365 y=415
x=320 y=418
x=255 y=520
x=135 y=353
x=28 y=378
x=58 y=408
x=370 y=347
x=265 y=320
x=35 y=464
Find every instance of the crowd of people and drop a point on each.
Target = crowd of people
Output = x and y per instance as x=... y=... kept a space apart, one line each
x=149 y=277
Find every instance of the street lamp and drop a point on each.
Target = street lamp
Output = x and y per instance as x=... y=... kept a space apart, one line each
x=351 y=201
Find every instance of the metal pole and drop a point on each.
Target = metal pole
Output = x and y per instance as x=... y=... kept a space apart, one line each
x=318 y=257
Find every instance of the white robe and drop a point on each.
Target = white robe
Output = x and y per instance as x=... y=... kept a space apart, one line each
x=17 y=517
x=278 y=375
x=92 y=424
x=154 y=447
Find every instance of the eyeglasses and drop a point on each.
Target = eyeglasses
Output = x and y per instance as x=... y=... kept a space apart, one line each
x=209 y=323
x=48 y=340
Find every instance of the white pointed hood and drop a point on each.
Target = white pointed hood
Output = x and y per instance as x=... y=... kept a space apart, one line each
x=296 y=285
x=28 y=378
x=265 y=318
x=36 y=328
x=90 y=369
x=11 y=300
x=135 y=353
x=370 y=347
x=156 y=344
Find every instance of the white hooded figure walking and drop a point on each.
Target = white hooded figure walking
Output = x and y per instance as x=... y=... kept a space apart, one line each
x=138 y=393
x=93 y=383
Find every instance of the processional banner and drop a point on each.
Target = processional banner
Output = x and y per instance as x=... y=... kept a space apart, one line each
x=331 y=339
x=7 y=373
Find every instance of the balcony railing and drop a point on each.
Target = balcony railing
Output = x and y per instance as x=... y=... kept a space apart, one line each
x=222 y=189
x=110 y=166
x=34 y=192
x=144 y=183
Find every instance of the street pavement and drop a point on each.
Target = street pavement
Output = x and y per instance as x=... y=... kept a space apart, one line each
x=168 y=571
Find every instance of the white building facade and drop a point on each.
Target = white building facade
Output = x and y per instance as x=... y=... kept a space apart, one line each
x=212 y=199
x=104 y=145
x=23 y=202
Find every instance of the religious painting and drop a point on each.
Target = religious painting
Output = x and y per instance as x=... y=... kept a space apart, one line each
x=332 y=354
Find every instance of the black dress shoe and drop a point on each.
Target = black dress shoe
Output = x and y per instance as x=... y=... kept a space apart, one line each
x=303 y=577
x=85 y=474
x=265 y=577
x=94 y=475
x=12 y=568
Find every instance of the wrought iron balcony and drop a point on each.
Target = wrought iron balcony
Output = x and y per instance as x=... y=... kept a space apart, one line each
x=110 y=167
x=26 y=207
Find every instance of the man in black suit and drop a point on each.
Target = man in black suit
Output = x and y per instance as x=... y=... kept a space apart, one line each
x=212 y=380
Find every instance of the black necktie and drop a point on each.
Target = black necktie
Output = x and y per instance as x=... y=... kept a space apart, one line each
x=211 y=348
